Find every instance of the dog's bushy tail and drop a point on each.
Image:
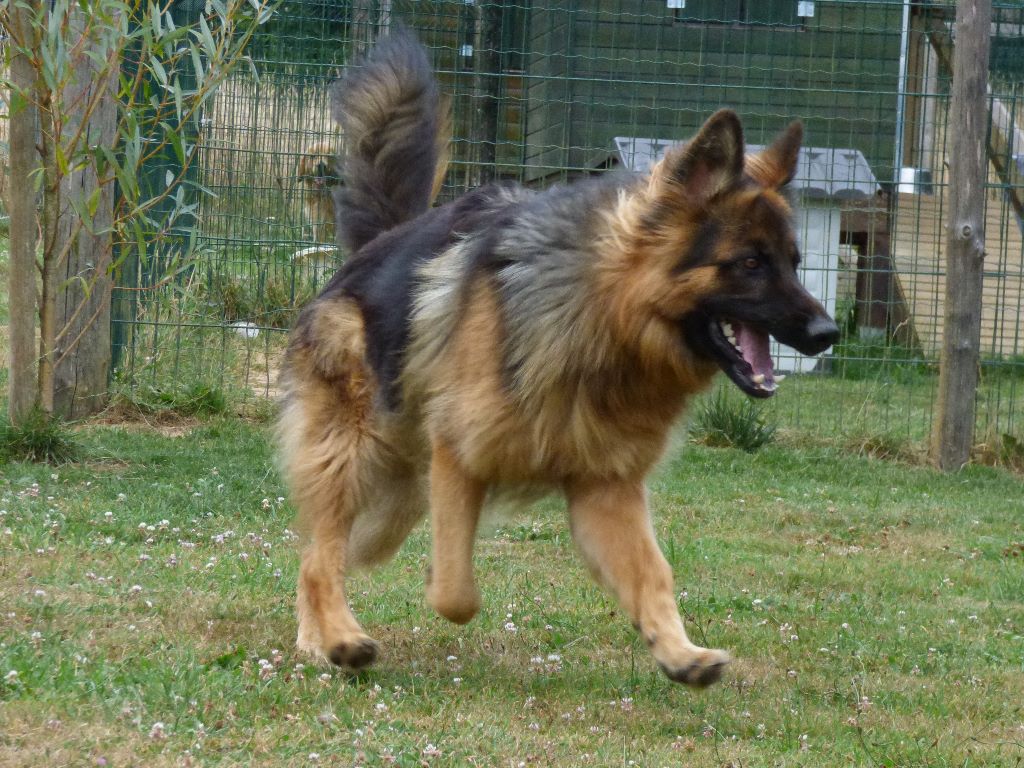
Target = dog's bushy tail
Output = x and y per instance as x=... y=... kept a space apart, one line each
x=396 y=131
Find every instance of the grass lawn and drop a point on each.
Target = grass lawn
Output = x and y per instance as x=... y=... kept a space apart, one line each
x=875 y=611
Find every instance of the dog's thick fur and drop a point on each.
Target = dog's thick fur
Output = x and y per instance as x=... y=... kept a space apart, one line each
x=516 y=338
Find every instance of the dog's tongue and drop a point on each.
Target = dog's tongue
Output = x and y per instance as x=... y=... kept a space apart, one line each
x=754 y=345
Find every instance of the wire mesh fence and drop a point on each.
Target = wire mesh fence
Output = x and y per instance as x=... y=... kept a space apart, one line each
x=548 y=91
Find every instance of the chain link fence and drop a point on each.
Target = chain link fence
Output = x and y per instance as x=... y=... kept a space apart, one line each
x=546 y=92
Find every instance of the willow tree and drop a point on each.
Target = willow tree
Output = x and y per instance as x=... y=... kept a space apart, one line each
x=98 y=89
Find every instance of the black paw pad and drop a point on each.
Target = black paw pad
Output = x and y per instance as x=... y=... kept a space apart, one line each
x=355 y=655
x=697 y=675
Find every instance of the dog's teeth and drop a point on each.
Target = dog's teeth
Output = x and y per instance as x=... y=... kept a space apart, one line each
x=759 y=378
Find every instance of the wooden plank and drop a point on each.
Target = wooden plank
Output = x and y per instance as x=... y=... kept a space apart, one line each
x=919 y=248
x=1000 y=144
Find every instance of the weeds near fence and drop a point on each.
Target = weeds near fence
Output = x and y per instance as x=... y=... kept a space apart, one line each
x=195 y=399
x=39 y=437
x=270 y=302
x=887 y=446
x=724 y=421
x=859 y=360
x=1002 y=449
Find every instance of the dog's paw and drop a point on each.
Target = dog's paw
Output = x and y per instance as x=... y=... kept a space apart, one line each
x=458 y=607
x=704 y=669
x=308 y=642
x=354 y=654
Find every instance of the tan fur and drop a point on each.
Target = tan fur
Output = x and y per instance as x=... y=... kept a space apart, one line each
x=444 y=146
x=362 y=475
x=773 y=168
x=317 y=199
x=350 y=474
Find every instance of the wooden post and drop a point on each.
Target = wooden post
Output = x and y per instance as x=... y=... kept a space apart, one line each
x=488 y=87
x=24 y=227
x=362 y=29
x=82 y=312
x=953 y=434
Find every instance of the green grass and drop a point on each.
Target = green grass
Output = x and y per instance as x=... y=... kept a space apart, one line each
x=874 y=610
x=731 y=420
x=185 y=400
x=830 y=408
x=38 y=437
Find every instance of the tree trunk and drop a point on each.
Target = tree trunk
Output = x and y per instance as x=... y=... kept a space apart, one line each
x=49 y=216
x=82 y=296
x=24 y=230
x=961 y=340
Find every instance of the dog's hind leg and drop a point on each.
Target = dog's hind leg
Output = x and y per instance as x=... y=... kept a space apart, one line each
x=327 y=625
x=324 y=475
x=612 y=527
x=328 y=445
x=396 y=504
x=455 y=502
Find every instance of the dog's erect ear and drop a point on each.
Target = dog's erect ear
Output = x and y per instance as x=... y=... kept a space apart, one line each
x=711 y=161
x=775 y=166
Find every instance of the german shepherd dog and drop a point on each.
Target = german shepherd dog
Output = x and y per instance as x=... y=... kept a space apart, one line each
x=522 y=339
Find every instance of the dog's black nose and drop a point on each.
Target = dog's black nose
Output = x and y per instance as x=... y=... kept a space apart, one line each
x=822 y=332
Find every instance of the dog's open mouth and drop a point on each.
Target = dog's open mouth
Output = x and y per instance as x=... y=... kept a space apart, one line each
x=743 y=353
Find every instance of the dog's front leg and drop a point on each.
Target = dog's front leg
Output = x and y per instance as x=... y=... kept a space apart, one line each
x=455 y=502
x=612 y=528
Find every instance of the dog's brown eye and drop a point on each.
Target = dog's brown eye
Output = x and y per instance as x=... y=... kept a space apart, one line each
x=751 y=263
